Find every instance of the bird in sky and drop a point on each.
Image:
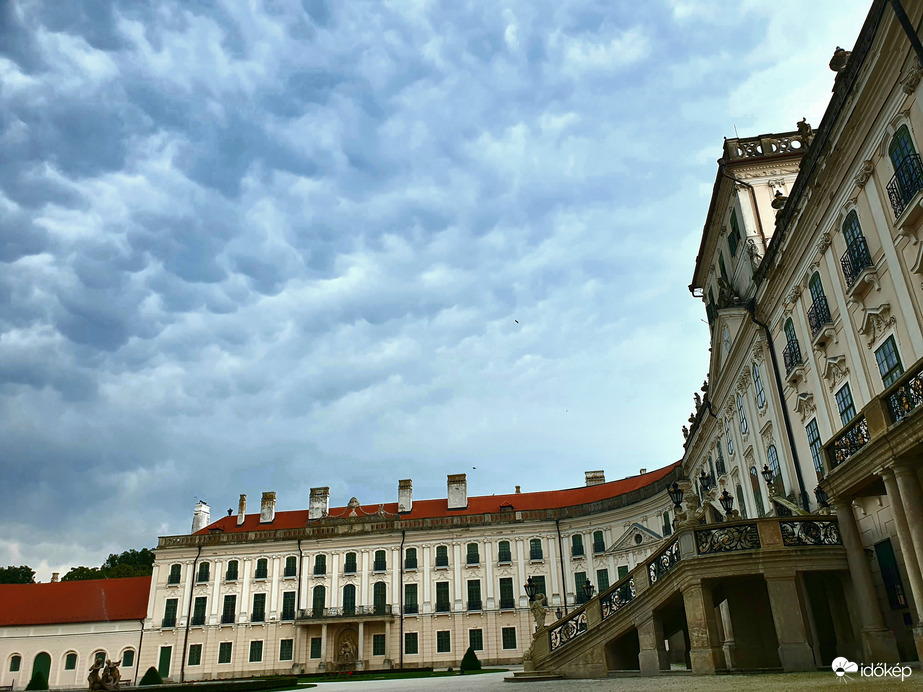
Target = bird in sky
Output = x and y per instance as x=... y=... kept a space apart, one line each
x=516 y=321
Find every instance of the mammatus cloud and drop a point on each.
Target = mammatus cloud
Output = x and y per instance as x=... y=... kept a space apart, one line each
x=270 y=246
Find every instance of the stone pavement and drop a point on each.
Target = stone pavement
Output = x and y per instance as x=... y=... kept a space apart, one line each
x=493 y=682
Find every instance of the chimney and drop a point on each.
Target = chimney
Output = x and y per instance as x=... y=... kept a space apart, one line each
x=55 y=577
x=242 y=510
x=518 y=490
x=594 y=477
x=268 y=508
x=643 y=471
x=201 y=516
x=404 y=495
x=319 y=503
x=458 y=491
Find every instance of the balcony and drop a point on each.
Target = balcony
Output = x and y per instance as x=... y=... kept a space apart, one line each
x=473 y=560
x=536 y=556
x=474 y=605
x=791 y=356
x=819 y=316
x=853 y=438
x=505 y=558
x=906 y=183
x=288 y=614
x=380 y=610
x=258 y=617
x=442 y=561
x=173 y=580
x=855 y=260
x=905 y=396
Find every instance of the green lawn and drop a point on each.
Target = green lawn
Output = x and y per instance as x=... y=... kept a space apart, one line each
x=396 y=675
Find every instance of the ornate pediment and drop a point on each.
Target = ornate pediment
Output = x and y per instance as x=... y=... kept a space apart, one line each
x=635 y=536
x=804 y=405
x=835 y=370
x=877 y=321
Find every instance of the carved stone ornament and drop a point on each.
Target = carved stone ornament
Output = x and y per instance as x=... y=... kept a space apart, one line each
x=877 y=321
x=793 y=294
x=835 y=370
x=753 y=254
x=743 y=379
x=823 y=243
x=865 y=172
x=912 y=80
x=804 y=405
x=839 y=59
x=768 y=437
x=756 y=351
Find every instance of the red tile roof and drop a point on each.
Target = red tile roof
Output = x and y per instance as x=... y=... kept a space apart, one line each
x=427 y=509
x=94 y=600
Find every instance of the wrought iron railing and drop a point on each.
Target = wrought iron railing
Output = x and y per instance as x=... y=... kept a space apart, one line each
x=819 y=315
x=617 y=597
x=475 y=604
x=568 y=630
x=663 y=563
x=442 y=561
x=727 y=539
x=443 y=607
x=536 y=554
x=380 y=566
x=344 y=612
x=258 y=617
x=855 y=260
x=288 y=614
x=791 y=356
x=810 y=532
x=168 y=622
x=227 y=618
x=507 y=604
x=907 y=181
x=576 y=551
x=906 y=396
x=198 y=620
x=848 y=442
x=410 y=563
x=504 y=556
x=411 y=608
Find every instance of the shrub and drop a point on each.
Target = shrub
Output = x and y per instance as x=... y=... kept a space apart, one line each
x=151 y=677
x=470 y=661
x=39 y=681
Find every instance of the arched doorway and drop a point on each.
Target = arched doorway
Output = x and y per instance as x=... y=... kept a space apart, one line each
x=42 y=663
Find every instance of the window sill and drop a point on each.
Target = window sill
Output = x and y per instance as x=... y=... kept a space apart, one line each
x=537 y=561
x=578 y=557
x=290 y=576
x=473 y=564
x=501 y=563
x=441 y=567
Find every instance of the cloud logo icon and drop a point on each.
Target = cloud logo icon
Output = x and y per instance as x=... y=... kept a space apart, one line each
x=842 y=665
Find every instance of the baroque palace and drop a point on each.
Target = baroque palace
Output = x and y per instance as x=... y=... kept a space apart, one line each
x=790 y=533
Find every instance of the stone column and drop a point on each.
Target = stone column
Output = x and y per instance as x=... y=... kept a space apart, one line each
x=794 y=651
x=652 y=657
x=705 y=653
x=360 y=648
x=878 y=642
x=323 y=647
x=908 y=549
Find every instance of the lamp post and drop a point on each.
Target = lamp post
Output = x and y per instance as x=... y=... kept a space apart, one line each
x=704 y=481
x=727 y=502
x=768 y=476
x=529 y=586
x=676 y=495
x=588 y=590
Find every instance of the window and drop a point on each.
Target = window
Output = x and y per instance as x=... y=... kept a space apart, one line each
x=288 y=605
x=128 y=658
x=727 y=434
x=901 y=147
x=410 y=643
x=890 y=575
x=101 y=655
x=755 y=487
x=722 y=268
x=286 y=649
x=476 y=639
x=816 y=447
x=474 y=594
x=857 y=255
x=320 y=565
x=229 y=609
x=378 y=645
x=442 y=597
x=599 y=542
x=773 y=457
x=262 y=568
x=844 y=404
x=203 y=572
x=623 y=571
x=535 y=549
x=199 y=610
x=442 y=556
x=410 y=599
x=410 y=558
x=318 y=601
x=889 y=362
x=258 y=614
x=443 y=641
x=741 y=505
x=315 y=647
x=539 y=583
x=291 y=566
x=174 y=574
x=169 y=612
x=70 y=661
x=230 y=574
x=381 y=562
x=379 y=597
x=503 y=552
x=667 y=524
x=508 y=635
x=195 y=654
x=224 y=652
x=742 y=415
x=602 y=579
x=908 y=173
x=349 y=599
x=576 y=545
x=734 y=235
x=473 y=557
x=349 y=567
x=256 y=651
x=507 y=600
x=758 y=385
x=579 y=580
x=15 y=663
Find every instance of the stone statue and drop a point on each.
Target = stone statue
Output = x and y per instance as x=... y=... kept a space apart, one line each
x=698 y=401
x=93 y=678
x=685 y=432
x=538 y=610
x=753 y=255
x=805 y=130
x=347 y=651
x=111 y=676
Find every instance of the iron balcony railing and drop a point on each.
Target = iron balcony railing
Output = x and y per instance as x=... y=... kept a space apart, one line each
x=906 y=395
x=198 y=620
x=473 y=559
x=261 y=574
x=576 y=551
x=345 y=611
x=791 y=356
x=227 y=618
x=907 y=181
x=169 y=622
x=288 y=614
x=411 y=608
x=474 y=604
x=819 y=315
x=505 y=557
x=380 y=566
x=173 y=579
x=855 y=260
x=536 y=554
x=720 y=468
x=258 y=617
x=442 y=561
x=443 y=607
x=848 y=442
x=507 y=604
x=410 y=563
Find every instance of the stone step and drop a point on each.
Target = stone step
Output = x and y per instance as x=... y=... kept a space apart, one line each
x=533 y=676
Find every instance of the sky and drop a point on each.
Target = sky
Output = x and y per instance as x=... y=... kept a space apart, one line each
x=252 y=246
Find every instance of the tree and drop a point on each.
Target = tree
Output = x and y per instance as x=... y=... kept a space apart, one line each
x=151 y=677
x=131 y=563
x=17 y=575
x=470 y=661
x=82 y=573
x=39 y=681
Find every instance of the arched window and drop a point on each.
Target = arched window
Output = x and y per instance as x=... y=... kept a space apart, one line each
x=70 y=661
x=758 y=386
x=791 y=354
x=755 y=487
x=727 y=434
x=203 y=572
x=901 y=147
x=772 y=457
x=410 y=558
x=576 y=545
x=15 y=663
x=817 y=288
x=790 y=335
x=741 y=502
x=852 y=231
x=442 y=555
x=175 y=571
x=349 y=566
x=734 y=234
x=381 y=561
x=742 y=415
x=320 y=564
x=819 y=312
x=379 y=597
x=349 y=600
x=319 y=601
x=535 y=549
x=42 y=664
x=262 y=569
x=230 y=574
x=599 y=542
x=473 y=557
x=857 y=255
x=291 y=566
x=504 y=554
x=908 y=172
x=127 y=658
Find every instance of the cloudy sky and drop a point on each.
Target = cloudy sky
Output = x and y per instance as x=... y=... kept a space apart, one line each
x=256 y=246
